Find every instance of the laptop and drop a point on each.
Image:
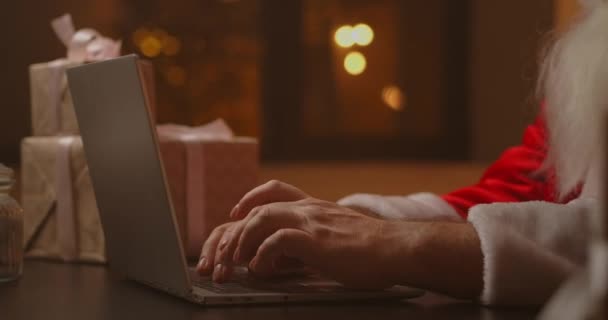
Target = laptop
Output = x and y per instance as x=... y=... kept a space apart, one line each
x=140 y=228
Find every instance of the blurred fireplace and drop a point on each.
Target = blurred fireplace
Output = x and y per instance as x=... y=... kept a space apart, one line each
x=276 y=69
x=407 y=99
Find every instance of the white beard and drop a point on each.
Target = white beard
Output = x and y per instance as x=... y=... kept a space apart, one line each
x=574 y=83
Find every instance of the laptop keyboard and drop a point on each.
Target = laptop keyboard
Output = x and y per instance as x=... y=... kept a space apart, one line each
x=242 y=283
x=227 y=287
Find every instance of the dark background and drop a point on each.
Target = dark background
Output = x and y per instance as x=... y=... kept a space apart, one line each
x=496 y=41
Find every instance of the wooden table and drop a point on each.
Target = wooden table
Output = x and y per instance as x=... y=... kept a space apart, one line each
x=70 y=291
x=333 y=180
x=63 y=291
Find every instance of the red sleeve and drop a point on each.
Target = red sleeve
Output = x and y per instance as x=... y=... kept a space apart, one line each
x=514 y=177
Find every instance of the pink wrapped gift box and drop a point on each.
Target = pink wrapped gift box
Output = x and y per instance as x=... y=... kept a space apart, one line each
x=208 y=171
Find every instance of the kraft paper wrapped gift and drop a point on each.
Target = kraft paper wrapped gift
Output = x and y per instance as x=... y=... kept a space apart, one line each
x=208 y=171
x=51 y=102
x=61 y=220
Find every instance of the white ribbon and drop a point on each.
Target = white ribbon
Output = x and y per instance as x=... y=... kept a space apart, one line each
x=192 y=138
x=66 y=218
x=84 y=45
x=194 y=193
x=215 y=130
x=57 y=89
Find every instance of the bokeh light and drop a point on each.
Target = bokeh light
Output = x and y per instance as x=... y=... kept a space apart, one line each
x=393 y=97
x=160 y=34
x=362 y=34
x=355 y=63
x=150 y=46
x=153 y=42
x=139 y=35
x=344 y=37
x=176 y=76
x=171 y=46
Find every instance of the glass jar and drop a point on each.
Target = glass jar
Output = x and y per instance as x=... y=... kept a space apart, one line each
x=11 y=229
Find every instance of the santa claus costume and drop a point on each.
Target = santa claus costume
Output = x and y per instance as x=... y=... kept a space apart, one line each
x=531 y=208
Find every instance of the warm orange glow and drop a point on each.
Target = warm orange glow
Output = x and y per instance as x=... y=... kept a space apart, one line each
x=362 y=34
x=171 y=46
x=150 y=46
x=355 y=63
x=139 y=35
x=153 y=42
x=344 y=36
x=565 y=12
x=176 y=76
x=160 y=34
x=393 y=97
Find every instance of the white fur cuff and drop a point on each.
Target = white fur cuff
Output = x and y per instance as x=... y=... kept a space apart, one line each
x=529 y=248
x=419 y=206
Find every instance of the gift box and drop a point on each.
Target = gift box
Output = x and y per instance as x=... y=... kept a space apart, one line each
x=61 y=220
x=51 y=102
x=208 y=172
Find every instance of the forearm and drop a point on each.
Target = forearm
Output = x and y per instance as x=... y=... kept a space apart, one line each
x=444 y=257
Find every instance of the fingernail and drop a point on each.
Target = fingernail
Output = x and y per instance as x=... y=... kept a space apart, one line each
x=201 y=263
x=237 y=256
x=253 y=263
x=234 y=211
x=217 y=272
x=224 y=272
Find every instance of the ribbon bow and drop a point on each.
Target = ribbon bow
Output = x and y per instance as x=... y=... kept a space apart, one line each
x=216 y=130
x=84 y=45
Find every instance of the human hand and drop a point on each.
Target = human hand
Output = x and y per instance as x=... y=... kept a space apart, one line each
x=213 y=246
x=338 y=242
x=207 y=259
x=269 y=192
x=354 y=249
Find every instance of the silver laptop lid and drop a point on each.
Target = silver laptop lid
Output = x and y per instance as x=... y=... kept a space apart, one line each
x=121 y=148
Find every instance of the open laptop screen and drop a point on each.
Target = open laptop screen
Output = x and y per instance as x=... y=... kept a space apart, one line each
x=121 y=148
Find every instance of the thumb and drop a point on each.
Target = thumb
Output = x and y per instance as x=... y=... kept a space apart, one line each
x=291 y=243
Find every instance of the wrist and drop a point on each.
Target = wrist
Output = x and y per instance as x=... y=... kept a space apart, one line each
x=439 y=256
x=401 y=245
